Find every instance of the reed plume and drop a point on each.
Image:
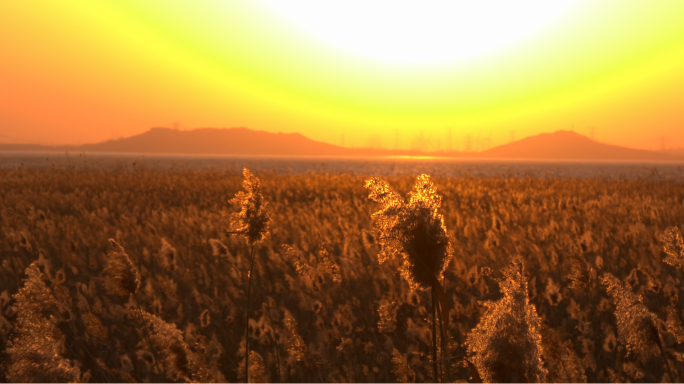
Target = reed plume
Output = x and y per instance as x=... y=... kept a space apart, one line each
x=506 y=345
x=673 y=245
x=36 y=351
x=581 y=272
x=312 y=276
x=253 y=220
x=168 y=255
x=257 y=369
x=561 y=360
x=177 y=360
x=119 y=276
x=553 y=294
x=387 y=313
x=329 y=265
x=301 y=266
x=636 y=325
x=413 y=231
x=294 y=344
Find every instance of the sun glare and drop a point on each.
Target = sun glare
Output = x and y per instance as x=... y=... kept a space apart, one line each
x=420 y=32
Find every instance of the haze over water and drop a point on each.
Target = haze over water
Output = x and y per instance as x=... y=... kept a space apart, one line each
x=370 y=166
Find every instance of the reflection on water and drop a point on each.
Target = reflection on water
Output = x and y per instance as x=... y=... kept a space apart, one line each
x=374 y=166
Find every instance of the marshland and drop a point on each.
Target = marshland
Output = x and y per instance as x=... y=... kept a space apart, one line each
x=134 y=274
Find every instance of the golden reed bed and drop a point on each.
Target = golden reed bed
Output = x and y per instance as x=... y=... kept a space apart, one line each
x=545 y=279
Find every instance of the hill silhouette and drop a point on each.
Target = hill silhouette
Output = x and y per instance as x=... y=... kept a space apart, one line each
x=567 y=145
x=560 y=145
x=233 y=141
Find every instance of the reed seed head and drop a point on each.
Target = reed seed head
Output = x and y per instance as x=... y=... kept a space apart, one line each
x=387 y=313
x=580 y=271
x=553 y=294
x=218 y=248
x=329 y=265
x=293 y=255
x=561 y=360
x=506 y=345
x=636 y=325
x=413 y=231
x=257 y=368
x=205 y=318
x=35 y=352
x=168 y=255
x=120 y=276
x=673 y=245
x=295 y=345
x=253 y=219
x=175 y=356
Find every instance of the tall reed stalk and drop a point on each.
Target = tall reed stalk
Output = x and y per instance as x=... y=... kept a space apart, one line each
x=414 y=232
x=434 y=338
x=249 y=290
x=252 y=223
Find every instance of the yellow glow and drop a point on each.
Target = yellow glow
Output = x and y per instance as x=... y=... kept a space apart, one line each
x=420 y=32
x=409 y=157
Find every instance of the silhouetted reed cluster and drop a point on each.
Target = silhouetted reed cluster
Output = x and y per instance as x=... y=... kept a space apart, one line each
x=210 y=276
x=506 y=346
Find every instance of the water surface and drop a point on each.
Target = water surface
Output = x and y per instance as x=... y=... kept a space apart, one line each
x=370 y=166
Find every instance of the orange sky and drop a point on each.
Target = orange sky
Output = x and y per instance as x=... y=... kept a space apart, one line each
x=87 y=71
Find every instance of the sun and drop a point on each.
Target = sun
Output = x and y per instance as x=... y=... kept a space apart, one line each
x=420 y=32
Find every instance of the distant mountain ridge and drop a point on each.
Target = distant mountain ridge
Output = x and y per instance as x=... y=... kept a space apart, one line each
x=233 y=141
x=568 y=145
x=560 y=145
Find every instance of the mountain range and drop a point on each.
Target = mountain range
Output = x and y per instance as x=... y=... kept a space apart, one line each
x=559 y=145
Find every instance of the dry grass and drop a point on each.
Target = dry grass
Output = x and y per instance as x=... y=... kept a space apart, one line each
x=324 y=303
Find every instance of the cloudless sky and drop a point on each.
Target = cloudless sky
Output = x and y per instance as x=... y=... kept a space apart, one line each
x=427 y=74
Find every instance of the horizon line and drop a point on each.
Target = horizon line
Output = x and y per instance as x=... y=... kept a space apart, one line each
x=403 y=151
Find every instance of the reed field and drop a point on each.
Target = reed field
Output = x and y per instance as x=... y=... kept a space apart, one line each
x=130 y=275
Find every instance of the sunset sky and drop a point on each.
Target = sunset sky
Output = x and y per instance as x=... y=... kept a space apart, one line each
x=424 y=74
